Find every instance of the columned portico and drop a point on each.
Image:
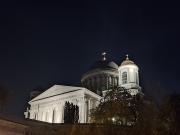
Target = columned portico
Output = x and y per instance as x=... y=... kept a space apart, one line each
x=49 y=106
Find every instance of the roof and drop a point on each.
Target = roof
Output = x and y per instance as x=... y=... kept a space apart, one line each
x=59 y=90
x=127 y=61
x=101 y=64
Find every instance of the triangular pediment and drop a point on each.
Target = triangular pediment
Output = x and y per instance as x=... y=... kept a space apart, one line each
x=56 y=90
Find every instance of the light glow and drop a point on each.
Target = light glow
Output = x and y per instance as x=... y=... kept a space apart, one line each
x=131 y=69
x=113 y=119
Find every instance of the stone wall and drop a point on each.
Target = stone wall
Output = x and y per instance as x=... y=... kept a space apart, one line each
x=31 y=127
x=79 y=129
x=12 y=128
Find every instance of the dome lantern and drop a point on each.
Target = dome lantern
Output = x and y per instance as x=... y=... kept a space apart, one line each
x=127 y=61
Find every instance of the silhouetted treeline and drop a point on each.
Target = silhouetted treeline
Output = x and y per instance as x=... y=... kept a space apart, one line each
x=143 y=116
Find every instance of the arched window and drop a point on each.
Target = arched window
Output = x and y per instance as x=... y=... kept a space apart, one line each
x=124 y=77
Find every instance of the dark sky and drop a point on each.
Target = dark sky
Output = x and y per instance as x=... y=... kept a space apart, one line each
x=45 y=43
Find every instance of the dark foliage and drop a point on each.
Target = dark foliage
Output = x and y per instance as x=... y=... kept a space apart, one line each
x=117 y=107
x=71 y=113
x=142 y=116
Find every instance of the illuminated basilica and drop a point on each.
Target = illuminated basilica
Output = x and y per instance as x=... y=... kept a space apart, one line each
x=59 y=103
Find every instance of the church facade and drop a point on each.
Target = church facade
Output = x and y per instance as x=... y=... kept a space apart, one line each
x=70 y=104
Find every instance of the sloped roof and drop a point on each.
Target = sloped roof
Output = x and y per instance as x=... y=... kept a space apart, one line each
x=56 y=90
x=59 y=90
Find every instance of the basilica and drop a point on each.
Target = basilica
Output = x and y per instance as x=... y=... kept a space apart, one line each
x=59 y=103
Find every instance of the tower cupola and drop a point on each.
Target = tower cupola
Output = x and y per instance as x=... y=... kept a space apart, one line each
x=129 y=76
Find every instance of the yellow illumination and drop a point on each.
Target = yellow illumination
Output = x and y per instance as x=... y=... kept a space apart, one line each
x=131 y=69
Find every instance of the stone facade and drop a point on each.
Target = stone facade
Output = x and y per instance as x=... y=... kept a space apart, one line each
x=49 y=106
x=100 y=79
x=104 y=75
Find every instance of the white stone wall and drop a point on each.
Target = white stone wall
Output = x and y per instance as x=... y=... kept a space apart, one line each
x=52 y=109
x=132 y=78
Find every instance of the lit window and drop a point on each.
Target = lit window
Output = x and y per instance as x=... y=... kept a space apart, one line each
x=124 y=77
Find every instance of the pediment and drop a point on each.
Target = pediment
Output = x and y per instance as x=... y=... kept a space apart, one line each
x=56 y=90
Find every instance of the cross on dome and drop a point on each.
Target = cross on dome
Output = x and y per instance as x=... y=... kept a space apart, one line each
x=104 y=56
x=127 y=57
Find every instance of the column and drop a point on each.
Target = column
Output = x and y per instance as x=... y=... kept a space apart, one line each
x=117 y=81
x=89 y=109
x=40 y=115
x=86 y=110
x=107 y=83
x=98 y=84
x=62 y=112
x=51 y=115
x=43 y=115
x=81 y=110
x=110 y=82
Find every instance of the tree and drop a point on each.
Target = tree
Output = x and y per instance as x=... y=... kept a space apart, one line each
x=115 y=108
x=169 y=115
x=147 y=118
x=71 y=113
x=120 y=108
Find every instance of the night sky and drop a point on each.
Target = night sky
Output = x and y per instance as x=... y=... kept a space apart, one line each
x=45 y=43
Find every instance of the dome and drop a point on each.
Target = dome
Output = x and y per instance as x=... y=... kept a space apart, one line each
x=104 y=64
x=102 y=75
x=127 y=62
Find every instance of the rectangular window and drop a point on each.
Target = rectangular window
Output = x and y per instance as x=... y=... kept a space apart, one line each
x=124 y=77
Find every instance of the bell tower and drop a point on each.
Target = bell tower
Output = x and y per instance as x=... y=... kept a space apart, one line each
x=129 y=76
